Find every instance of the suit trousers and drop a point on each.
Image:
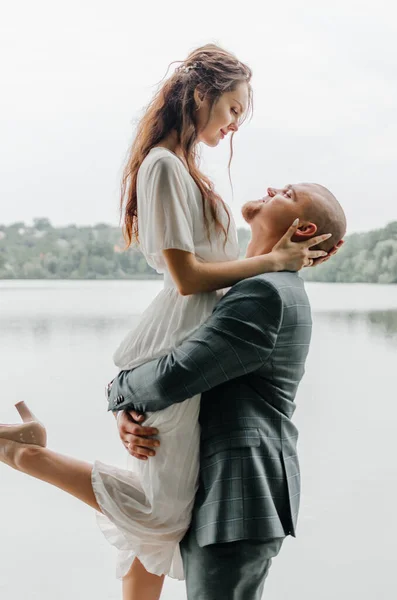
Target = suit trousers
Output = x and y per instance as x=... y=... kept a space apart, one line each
x=227 y=571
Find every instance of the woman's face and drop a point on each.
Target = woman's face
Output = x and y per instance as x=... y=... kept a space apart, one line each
x=224 y=117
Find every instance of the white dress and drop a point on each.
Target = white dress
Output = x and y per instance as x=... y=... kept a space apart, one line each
x=147 y=507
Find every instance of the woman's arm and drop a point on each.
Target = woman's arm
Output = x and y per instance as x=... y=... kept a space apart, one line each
x=192 y=276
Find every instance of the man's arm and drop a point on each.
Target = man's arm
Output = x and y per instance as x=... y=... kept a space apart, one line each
x=236 y=339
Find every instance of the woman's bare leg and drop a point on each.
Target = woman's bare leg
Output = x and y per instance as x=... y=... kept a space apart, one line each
x=138 y=584
x=69 y=474
x=74 y=477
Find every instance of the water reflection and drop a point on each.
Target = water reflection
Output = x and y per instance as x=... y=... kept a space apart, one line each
x=386 y=322
x=42 y=328
x=380 y=323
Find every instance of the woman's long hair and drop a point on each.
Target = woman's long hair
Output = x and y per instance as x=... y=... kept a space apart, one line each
x=212 y=71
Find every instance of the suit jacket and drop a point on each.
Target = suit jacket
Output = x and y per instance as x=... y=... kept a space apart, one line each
x=247 y=360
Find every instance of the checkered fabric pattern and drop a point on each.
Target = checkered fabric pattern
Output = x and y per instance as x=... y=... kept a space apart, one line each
x=247 y=360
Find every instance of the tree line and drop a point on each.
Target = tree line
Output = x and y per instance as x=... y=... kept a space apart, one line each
x=41 y=251
x=369 y=257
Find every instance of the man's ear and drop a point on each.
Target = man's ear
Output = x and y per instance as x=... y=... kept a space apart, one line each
x=305 y=231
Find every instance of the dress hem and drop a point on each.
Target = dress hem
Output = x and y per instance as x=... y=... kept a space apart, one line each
x=126 y=546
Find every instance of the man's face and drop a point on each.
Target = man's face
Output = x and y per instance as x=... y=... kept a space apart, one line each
x=280 y=207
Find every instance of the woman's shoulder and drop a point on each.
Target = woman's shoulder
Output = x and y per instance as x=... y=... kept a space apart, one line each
x=159 y=158
x=162 y=165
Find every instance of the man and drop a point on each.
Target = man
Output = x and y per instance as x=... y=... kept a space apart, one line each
x=247 y=361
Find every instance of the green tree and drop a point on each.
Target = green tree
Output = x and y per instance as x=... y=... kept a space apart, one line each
x=72 y=252
x=42 y=224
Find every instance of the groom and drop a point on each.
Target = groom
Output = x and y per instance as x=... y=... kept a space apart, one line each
x=247 y=360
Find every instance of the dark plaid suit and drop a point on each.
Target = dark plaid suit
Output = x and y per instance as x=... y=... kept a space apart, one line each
x=247 y=360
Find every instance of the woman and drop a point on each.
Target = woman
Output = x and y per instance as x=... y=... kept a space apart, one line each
x=186 y=232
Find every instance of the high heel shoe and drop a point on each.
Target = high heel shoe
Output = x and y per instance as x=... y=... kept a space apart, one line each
x=31 y=431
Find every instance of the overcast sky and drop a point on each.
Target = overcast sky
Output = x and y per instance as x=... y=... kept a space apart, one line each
x=76 y=75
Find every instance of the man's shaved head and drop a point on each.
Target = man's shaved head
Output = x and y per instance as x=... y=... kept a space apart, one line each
x=316 y=207
x=325 y=211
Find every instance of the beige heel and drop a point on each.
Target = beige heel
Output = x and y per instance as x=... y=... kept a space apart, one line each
x=25 y=413
x=31 y=431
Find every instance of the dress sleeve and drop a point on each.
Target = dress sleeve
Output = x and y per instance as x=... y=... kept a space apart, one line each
x=164 y=214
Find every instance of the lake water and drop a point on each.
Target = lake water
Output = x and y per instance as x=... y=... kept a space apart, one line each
x=56 y=344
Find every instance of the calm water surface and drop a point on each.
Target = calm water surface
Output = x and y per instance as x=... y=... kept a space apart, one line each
x=56 y=345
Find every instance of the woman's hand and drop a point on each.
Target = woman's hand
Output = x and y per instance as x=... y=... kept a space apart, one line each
x=330 y=253
x=292 y=256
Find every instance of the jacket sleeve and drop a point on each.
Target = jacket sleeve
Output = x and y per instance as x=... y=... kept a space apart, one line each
x=237 y=338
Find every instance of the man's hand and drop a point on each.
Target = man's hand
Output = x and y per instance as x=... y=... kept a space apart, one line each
x=136 y=438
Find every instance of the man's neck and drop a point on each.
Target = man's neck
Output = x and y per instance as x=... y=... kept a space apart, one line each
x=260 y=243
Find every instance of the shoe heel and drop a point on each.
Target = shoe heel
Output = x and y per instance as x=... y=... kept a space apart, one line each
x=24 y=412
